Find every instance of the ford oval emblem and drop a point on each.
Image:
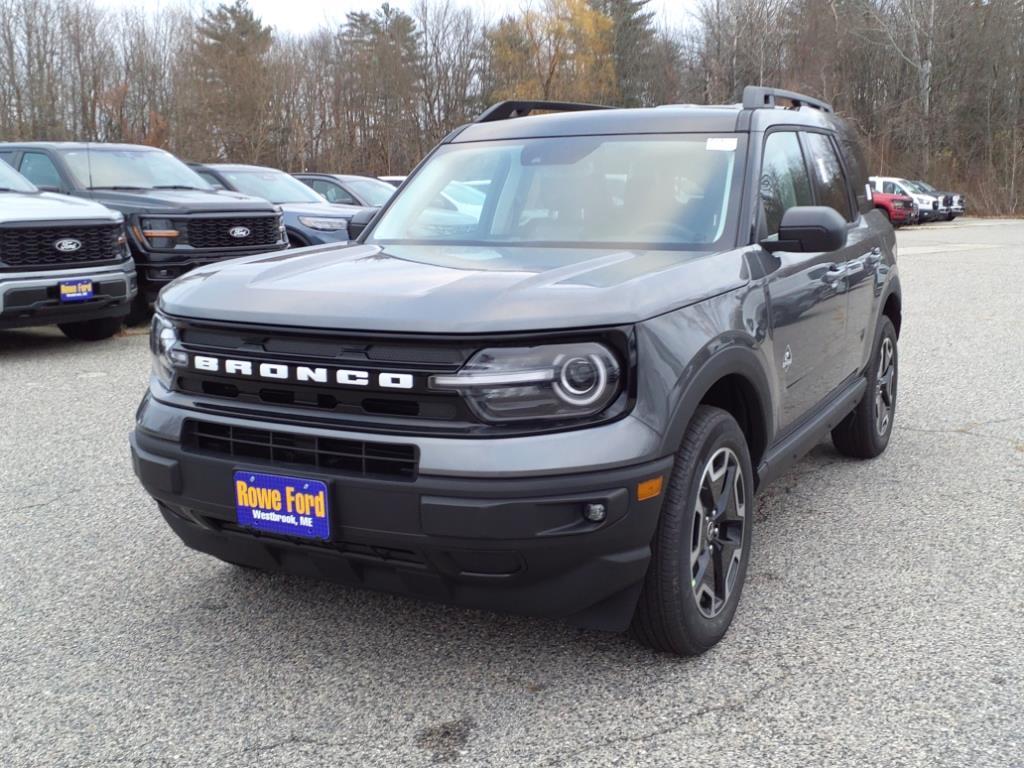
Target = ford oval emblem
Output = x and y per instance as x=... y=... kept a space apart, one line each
x=239 y=232
x=68 y=245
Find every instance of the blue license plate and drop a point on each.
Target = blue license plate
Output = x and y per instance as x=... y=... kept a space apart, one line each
x=288 y=506
x=75 y=290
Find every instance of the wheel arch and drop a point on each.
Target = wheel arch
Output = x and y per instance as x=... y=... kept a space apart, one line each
x=892 y=307
x=734 y=380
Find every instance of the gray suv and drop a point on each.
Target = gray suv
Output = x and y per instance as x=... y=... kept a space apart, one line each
x=561 y=403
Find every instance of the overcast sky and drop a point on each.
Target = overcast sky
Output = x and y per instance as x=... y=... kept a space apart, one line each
x=303 y=15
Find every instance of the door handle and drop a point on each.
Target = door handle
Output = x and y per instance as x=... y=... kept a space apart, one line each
x=872 y=257
x=835 y=273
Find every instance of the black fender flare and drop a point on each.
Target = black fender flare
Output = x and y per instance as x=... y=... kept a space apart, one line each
x=736 y=359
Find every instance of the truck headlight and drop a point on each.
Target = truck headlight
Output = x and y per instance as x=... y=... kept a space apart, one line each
x=555 y=381
x=326 y=225
x=163 y=343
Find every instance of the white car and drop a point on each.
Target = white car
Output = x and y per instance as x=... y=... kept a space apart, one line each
x=63 y=261
x=928 y=205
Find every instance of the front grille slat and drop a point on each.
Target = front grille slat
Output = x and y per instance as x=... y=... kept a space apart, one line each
x=352 y=457
x=35 y=247
x=215 y=232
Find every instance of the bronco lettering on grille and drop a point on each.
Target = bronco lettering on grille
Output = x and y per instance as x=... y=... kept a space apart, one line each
x=301 y=374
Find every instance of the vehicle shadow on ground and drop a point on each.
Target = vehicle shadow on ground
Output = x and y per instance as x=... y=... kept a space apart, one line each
x=30 y=341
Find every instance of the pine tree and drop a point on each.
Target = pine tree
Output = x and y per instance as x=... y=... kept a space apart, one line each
x=634 y=38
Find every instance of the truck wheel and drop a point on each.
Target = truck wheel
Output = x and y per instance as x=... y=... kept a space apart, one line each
x=701 y=548
x=92 y=330
x=865 y=433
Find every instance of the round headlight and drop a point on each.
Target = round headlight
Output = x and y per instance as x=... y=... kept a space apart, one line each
x=581 y=380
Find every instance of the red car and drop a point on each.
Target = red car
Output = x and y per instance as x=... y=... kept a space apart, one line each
x=900 y=209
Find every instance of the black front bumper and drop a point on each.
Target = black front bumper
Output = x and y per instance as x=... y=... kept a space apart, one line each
x=158 y=268
x=517 y=545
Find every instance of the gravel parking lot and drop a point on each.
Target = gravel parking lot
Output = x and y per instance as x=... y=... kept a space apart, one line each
x=883 y=621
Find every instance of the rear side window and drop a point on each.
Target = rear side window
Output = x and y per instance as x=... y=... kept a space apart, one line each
x=889 y=188
x=333 y=192
x=830 y=187
x=7 y=157
x=40 y=170
x=784 y=182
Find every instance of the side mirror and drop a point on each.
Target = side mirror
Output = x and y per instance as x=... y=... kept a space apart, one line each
x=358 y=223
x=809 y=229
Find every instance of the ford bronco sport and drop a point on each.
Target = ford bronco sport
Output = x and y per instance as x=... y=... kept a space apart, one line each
x=561 y=404
x=63 y=261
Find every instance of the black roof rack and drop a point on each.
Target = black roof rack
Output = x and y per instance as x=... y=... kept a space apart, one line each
x=759 y=97
x=504 y=110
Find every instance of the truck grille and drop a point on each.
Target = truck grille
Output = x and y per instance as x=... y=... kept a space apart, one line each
x=347 y=457
x=35 y=247
x=216 y=232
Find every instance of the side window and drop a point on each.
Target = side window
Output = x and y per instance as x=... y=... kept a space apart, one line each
x=830 y=187
x=333 y=192
x=7 y=157
x=889 y=188
x=40 y=170
x=209 y=178
x=784 y=182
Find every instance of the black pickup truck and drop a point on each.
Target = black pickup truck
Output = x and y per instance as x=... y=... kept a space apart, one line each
x=560 y=403
x=175 y=220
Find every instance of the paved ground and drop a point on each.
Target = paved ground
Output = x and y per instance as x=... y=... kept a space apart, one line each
x=883 y=623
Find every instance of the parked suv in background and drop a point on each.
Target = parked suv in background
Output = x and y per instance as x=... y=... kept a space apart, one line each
x=63 y=261
x=175 y=220
x=308 y=218
x=927 y=204
x=952 y=204
x=563 y=406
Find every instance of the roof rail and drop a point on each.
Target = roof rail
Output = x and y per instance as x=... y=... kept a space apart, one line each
x=759 y=97
x=504 y=110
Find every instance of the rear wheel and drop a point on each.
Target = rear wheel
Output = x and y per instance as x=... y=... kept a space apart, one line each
x=701 y=548
x=865 y=433
x=92 y=330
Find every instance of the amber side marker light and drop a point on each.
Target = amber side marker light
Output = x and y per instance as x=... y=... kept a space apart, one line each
x=649 y=489
x=160 y=233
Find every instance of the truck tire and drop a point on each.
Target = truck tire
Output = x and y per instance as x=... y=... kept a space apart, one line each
x=701 y=548
x=92 y=330
x=864 y=434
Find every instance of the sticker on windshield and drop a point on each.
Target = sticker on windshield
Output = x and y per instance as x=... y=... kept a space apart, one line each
x=722 y=144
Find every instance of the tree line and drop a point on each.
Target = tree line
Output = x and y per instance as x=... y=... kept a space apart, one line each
x=934 y=87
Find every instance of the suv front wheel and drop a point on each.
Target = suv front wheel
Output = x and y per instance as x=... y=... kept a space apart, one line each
x=702 y=546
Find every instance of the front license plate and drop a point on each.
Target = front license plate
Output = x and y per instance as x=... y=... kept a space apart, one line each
x=75 y=290
x=289 y=506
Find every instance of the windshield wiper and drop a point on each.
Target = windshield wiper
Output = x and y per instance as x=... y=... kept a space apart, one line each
x=178 y=186
x=121 y=187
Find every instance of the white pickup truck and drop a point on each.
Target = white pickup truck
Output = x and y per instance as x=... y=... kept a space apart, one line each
x=63 y=261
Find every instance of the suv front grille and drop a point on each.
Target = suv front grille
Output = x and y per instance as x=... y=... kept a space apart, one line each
x=207 y=232
x=332 y=455
x=35 y=247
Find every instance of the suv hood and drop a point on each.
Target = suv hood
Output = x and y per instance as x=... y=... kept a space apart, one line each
x=177 y=201
x=46 y=206
x=444 y=289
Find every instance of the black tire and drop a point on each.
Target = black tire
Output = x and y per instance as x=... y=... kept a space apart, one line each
x=864 y=434
x=670 y=616
x=92 y=330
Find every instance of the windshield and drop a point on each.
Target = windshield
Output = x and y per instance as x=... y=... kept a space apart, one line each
x=275 y=186
x=913 y=187
x=131 y=169
x=374 y=192
x=12 y=181
x=925 y=186
x=645 y=191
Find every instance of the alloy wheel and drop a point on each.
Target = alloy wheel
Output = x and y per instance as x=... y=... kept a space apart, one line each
x=884 y=391
x=716 y=544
